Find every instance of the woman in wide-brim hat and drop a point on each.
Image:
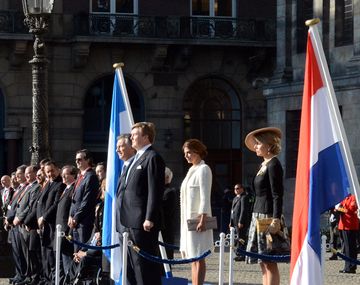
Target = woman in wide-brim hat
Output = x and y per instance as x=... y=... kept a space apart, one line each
x=269 y=189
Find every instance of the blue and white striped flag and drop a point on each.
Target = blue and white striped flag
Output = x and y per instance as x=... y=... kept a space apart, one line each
x=120 y=122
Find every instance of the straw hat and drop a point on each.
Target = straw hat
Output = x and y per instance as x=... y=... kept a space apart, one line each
x=250 y=138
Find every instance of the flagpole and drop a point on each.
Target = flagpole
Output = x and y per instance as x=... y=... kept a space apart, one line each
x=118 y=69
x=314 y=33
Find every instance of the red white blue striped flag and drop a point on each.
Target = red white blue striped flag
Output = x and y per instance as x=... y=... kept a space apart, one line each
x=325 y=170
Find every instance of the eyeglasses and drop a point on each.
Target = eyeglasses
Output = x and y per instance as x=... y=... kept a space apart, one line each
x=78 y=159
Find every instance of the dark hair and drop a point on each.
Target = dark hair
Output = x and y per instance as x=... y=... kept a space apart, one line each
x=34 y=168
x=44 y=161
x=196 y=146
x=102 y=163
x=87 y=155
x=73 y=169
x=51 y=162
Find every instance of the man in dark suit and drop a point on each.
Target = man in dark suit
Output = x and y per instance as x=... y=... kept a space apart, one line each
x=14 y=233
x=25 y=203
x=140 y=209
x=46 y=215
x=68 y=174
x=240 y=216
x=5 y=197
x=82 y=210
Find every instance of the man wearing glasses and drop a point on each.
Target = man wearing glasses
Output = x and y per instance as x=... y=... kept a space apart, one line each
x=82 y=210
x=240 y=217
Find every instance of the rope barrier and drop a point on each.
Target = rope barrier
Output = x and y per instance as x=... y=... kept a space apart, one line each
x=267 y=257
x=169 y=261
x=88 y=246
x=168 y=245
x=346 y=258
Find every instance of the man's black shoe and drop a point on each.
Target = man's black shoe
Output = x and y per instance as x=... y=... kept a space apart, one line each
x=26 y=281
x=15 y=279
x=239 y=258
x=352 y=271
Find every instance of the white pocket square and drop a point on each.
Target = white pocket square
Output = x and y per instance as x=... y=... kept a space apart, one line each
x=139 y=167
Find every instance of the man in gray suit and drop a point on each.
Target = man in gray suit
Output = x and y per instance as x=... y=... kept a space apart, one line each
x=25 y=203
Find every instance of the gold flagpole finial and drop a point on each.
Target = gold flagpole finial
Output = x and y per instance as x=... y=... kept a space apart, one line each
x=312 y=22
x=118 y=64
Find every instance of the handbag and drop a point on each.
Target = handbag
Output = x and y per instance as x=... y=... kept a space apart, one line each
x=276 y=243
x=210 y=223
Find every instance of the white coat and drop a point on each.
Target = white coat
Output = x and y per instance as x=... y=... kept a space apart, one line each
x=195 y=195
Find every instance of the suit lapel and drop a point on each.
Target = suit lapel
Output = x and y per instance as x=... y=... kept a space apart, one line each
x=136 y=164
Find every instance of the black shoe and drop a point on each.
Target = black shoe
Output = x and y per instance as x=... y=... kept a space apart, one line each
x=15 y=279
x=333 y=257
x=26 y=281
x=239 y=258
x=352 y=271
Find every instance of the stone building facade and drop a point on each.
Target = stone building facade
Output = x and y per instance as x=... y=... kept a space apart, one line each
x=339 y=29
x=195 y=69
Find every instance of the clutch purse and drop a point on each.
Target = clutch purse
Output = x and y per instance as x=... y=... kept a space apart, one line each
x=210 y=223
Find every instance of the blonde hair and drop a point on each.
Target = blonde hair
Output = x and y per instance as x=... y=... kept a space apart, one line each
x=271 y=139
x=147 y=129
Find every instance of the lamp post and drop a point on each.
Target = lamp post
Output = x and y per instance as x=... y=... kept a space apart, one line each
x=37 y=14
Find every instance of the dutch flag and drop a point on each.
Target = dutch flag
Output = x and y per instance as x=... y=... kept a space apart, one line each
x=120 y=122
x=325 y=170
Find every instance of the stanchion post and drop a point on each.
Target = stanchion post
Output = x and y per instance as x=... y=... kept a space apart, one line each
x=57 y=256
x=124 y=257
x=221 y=259
x=167 y=269
x=323 y=251
x=231 y=255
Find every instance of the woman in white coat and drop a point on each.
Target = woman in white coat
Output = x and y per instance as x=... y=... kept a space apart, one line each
x=195 y=203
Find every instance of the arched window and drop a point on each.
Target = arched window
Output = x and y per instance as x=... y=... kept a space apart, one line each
x=212 y=113
x=98 y=102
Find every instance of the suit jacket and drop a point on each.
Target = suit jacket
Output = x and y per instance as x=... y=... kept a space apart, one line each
x=240 y=210
x=11 y=211
x=46 y=208
x=269 y=189
x=27 y=200
x=84 y=199
x=119 y=196
x=143 y=191
x=4 y=205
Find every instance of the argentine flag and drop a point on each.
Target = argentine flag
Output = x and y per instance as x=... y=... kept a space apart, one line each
x=120 y=122
x=325 y=170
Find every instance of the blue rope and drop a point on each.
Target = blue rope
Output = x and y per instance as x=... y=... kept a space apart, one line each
x=266 y=257
x=346 y=258
x=169 y=261
x=88 y=246
x=168 y=245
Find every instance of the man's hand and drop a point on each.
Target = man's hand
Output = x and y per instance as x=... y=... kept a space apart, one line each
x=41 y=222
x=72 y=223
x=16 y=221
x=240 y=226
x=148 y=225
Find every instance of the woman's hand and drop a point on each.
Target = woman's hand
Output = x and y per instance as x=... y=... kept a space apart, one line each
x=275 y=226
x=202 y=224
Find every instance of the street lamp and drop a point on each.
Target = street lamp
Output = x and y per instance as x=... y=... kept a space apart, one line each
x=37 y=14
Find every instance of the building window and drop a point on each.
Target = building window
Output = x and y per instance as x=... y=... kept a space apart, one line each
x=213 y=8
x=292 y=141
x=304 y=12
x=344 y=33
x=114 y=6
x=98 y=100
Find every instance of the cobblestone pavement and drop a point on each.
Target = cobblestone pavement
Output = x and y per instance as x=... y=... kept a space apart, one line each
x=245 y=274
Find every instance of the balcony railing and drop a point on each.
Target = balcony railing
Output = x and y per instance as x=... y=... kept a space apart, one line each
x=210 y=28
x=131 y=27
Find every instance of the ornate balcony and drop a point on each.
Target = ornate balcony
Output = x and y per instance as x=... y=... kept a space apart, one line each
x=149 y=29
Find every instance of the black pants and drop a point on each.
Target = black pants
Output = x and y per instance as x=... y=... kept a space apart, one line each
x=350 y=250
x=18 y=253
x=141 y=271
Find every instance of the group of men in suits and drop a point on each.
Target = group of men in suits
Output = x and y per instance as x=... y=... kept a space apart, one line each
x=32 y=210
